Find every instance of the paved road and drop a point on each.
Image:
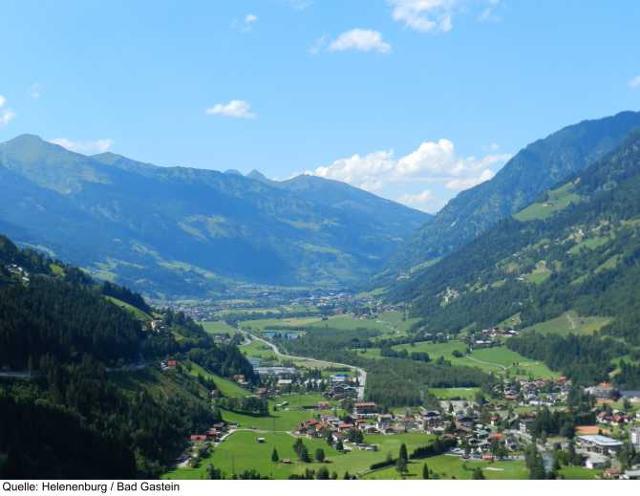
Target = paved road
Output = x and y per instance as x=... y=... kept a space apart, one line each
x=361 y=373
x=18 y=374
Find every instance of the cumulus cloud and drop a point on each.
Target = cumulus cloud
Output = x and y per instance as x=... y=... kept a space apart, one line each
x=238 y=109
x=433 y=163
x=6 y=114
x=634 y=82
x=460 y=184
x=424 y=200
x=436 y=16
x=85 y=147
x=424 y=15
x=362 y=40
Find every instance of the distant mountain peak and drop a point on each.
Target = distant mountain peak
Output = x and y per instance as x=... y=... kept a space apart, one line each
x=26 y=138
x=258 y=176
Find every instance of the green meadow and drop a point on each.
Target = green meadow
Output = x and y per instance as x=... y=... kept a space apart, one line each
x=570 y=322
x=218 y=327
x=242 y=451
x=454 y=467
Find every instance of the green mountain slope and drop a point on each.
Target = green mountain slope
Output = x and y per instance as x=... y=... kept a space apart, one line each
x=530 y=172
x=82 y=393
x=555 y=256
x=180 y=231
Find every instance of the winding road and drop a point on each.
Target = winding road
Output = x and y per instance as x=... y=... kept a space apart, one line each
x=360 y=373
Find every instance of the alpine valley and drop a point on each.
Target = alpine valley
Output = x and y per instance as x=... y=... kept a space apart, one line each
x=183 y=323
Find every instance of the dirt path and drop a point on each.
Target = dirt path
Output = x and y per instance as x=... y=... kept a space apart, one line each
x=493 y=364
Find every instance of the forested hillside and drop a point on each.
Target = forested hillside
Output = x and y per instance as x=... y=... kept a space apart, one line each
x=575 y=249
x=176 y=231
x=81 y=390
x=534 y=169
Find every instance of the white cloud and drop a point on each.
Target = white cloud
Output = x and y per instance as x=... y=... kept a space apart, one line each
x=488 y=14
x=436 y=16
x=246 y=24
x=634 y=82
x=238 y=109
x=6 y=114
x=85 y=147
x=424 y=15
x=424 y=200
x=433 y=163
x=362 y=40
x=460 y=184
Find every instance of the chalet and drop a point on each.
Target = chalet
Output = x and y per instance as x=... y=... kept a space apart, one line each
x=384 y=421
x=196 y=438
x=366 y=409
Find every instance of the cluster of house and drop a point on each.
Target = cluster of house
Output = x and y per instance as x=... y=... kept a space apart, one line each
x=341 y=387
x=493 y=336
x=19 y=272
x=213 y=434
x=475 y=440
x=537 y=392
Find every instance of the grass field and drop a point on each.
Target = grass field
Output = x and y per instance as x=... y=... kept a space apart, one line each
x=557 y=200
x=502 y=359
x=453 y=467
x=454 y=393
x=227 y=388
x=540 y=274
x=570 y=322
x=284 y=418
x=286 y=323
x=499 y=359
x=136 y=312
x=241 y=451
x=579 y=473
x=258 y=349
x=218 y=327
x=435 y=350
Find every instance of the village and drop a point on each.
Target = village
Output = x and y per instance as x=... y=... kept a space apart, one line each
x=496 y=425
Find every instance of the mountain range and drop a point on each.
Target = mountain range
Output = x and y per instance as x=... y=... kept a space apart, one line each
x=177 y=231
x=534 y=169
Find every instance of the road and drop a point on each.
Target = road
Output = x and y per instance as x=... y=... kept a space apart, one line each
x=360 y=373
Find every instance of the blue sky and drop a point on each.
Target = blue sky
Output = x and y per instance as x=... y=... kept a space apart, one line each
x=411 y=99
